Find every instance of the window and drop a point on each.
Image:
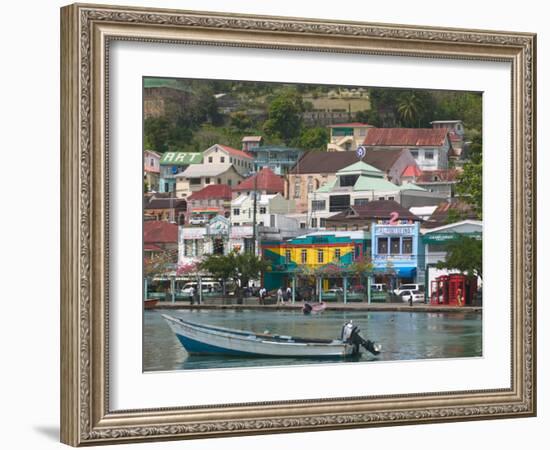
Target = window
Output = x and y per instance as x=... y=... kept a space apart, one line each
x=288 y=256
x=263 y=210
x=362 y=131
x=207 y=180
x=318 y=205
x=391 y=198
x=313 y=223
x=348 y=180
x=304 y=256
x=414 y=154
x=320 y=256
x=229 y=182
x=381 y=198
x=219 y=181
x=209 y=159
x=337 y=254
x=339 y=203
x=322 y=222
x=152 y=162
x=272 y=220
x=236 y=211
x=222 y=159
x=382 y=246
x=428 y=154
x=166 y=187
x=231 y=160
x=309 y=184
x=297 y=187
x=395 y=243
x=194 y=181
x=361 y=201
x=407 y=245
x=236 y=224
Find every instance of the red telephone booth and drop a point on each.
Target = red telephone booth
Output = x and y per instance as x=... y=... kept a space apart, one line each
x=453 y=290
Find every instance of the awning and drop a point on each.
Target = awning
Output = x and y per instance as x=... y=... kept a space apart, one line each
x=401 y=272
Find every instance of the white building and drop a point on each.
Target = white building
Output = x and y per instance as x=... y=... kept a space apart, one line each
x=223 y=154
x=198 y=176
x=435 y=240
x=268 y=207
x=357 y=185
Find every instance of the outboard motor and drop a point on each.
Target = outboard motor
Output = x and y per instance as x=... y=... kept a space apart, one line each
x=351 y=334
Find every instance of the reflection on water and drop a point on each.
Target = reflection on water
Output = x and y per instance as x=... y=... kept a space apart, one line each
x=403 y=335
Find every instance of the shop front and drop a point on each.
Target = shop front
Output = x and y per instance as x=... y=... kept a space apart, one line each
x=396 y=253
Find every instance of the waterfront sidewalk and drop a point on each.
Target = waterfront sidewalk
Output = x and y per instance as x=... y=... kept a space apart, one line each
x=333 y=306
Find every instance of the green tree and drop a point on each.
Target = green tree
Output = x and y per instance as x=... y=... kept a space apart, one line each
x=408 y=109
x=469 y=185
x=240 y=121
x=465 y=254
x=221 y=267
x=249 y=267
x=235 y=267
x=314 y=139
x=285 y=116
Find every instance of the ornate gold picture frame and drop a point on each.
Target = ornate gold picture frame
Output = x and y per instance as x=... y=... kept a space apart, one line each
x=87 y=31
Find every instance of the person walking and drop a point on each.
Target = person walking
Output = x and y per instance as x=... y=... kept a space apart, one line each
x=280 y=296
x=288 y=294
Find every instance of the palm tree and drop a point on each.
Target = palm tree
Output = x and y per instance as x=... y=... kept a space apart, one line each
x=409 y=107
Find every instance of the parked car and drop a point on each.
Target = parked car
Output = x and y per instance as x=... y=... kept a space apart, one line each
x=207 y=286
x=378 y=287
x=409 y=287
x=198 y=220
x=417 y=296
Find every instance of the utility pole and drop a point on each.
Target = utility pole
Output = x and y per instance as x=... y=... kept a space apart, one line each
x=254 y=226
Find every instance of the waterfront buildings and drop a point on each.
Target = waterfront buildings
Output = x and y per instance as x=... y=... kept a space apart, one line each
x=320 y=255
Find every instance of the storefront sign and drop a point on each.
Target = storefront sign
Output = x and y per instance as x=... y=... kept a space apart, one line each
x=193 y=233
x=441 y=238
x=395 y=230
x=242 y=232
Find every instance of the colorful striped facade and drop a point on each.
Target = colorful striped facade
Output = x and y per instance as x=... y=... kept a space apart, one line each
x=313 y=251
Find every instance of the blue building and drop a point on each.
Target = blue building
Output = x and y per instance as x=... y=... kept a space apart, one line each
x=173 y=163
x=397 y=251
x=279 y=159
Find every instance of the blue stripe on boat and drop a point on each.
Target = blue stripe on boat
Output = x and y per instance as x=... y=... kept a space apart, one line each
x=193 y=346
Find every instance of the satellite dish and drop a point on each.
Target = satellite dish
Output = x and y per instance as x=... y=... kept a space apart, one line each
x=174 y=170
x=361 y=152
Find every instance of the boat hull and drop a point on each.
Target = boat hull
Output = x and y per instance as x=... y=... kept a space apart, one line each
x=209 y=340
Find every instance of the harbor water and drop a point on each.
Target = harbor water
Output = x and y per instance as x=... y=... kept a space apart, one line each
x=403 y=335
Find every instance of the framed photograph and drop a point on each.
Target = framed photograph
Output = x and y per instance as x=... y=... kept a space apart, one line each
x=281 y=224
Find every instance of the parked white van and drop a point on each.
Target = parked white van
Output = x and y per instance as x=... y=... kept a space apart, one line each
x=408 y=287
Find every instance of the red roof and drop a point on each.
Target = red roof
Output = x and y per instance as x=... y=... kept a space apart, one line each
x=411 y=171
x=266 y=181
x=214 y=191
x=159 y=232
x=406 y=137
x=152 y=248
x=349 y=125
x=236 y=152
